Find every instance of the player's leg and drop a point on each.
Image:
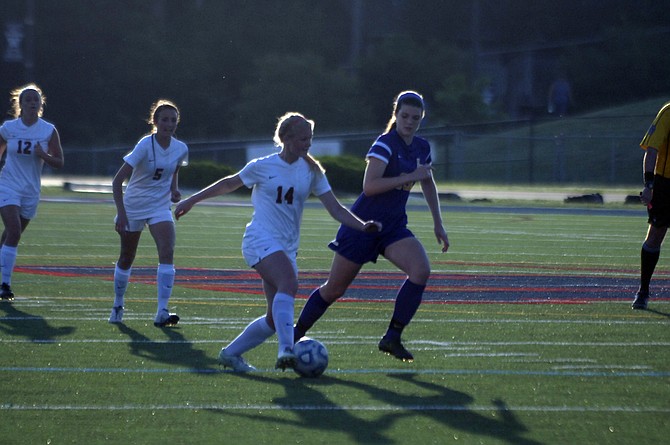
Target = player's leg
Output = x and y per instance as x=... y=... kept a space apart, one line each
x=164 y=236
x=409 y=256
x=279 y=272
x=342 y=274
x=649 y=255
x=122 y=272
x=254 y=334
x=14 y=224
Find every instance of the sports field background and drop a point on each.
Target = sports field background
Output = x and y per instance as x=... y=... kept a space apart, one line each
x=525 y=336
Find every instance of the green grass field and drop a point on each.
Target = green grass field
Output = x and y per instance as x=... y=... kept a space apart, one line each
x=486 y=372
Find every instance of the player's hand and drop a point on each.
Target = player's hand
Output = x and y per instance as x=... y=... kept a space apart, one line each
x=121 y=224
x=182 y=209
x=372 y=227
x=423 y=171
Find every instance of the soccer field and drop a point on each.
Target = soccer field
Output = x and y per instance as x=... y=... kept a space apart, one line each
x=525 y=336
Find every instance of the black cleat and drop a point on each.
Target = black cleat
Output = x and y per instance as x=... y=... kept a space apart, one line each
x=6 y=292
x=396 y=349
x=164 y=319
x=640 y=301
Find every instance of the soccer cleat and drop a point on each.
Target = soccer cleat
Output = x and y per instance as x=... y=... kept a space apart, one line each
x=640 y=301
x=236 y=362
x=165 y=319
x=286 y=359
x=6 y=292
x=117 y=315
x=396 y=349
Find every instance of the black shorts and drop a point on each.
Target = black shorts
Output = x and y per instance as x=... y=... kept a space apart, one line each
x=659 y=210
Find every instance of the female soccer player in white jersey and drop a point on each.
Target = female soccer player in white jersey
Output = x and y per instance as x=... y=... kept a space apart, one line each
x=151 y=169
x=281 y=183
x=29 y=142
x=396 y=160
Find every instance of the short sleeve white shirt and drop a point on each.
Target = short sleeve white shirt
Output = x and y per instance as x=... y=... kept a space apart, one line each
x=23 y=169
x=278 y=197
x=148 y=188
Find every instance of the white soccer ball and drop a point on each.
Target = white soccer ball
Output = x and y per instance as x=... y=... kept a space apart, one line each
x=312 y=357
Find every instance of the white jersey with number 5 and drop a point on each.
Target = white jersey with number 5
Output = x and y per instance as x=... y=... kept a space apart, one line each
x=279 y=194
x=153 y=166
x=23 y=169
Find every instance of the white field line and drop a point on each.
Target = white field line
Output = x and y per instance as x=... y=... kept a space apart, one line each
x=301 y=407
x=137 y=316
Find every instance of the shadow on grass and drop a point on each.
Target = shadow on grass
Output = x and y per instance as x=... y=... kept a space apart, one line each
x=32 y=327
x=314 y=411
x=177 y=351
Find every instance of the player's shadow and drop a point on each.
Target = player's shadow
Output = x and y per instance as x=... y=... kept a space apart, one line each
x=449 y=407
x=654 y=311
x=18 y=323
x=177 y=351
x=446 y=406
x=303 y=398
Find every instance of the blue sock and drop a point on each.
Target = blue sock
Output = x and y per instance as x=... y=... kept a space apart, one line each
x=313 y=310
x=406 y=304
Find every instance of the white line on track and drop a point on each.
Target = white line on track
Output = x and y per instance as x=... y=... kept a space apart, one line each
x=284 y=407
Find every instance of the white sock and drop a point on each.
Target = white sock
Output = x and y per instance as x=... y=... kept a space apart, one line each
x=8 y=260
x=121 y=279
x=282 y=312
x=164 y=282
x=253 y=335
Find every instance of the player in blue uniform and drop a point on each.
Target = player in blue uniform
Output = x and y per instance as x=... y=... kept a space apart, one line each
x=30 y=142
x=281 y=184
x=396 y=160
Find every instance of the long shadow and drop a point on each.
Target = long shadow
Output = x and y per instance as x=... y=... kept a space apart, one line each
x=178 y=351
x=654 y=311
x=32 y=327
x=449 y=407
x=446 y=406
x=301 y=393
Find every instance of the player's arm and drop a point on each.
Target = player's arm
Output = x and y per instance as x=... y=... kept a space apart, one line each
x=220 y=187
x=3 y=145
x=53 y=156
x=375 y=183
x=344 y=215
x=648 y=166
x=431 y=196
x=175 y=194
x=117 y=192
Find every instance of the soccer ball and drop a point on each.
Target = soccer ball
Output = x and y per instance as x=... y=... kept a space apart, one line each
x=312 y=357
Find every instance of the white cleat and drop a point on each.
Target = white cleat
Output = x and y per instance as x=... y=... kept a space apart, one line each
x=116 y=316
x=286 y=359
x=236 y=362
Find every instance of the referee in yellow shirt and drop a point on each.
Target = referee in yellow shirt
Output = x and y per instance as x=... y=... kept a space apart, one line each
x=656 y=196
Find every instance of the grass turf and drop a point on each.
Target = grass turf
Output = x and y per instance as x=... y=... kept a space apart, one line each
x=496 y=373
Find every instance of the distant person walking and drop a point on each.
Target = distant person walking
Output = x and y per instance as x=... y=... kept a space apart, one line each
x=560 y=96
x=281 y=184
x=656 y=196
x=395 y=162
x=29 y=142
x=152 y=169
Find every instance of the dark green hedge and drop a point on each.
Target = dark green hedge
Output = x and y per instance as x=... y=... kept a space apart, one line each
x=199 y=174
x=345 y=173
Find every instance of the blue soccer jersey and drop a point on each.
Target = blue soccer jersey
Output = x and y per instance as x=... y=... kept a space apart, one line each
x=400 y=159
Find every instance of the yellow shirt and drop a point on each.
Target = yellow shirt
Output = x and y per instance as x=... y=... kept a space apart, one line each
x=657 y=137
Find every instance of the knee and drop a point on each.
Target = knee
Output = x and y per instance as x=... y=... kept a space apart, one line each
x=331 y=292
x=419 y=275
